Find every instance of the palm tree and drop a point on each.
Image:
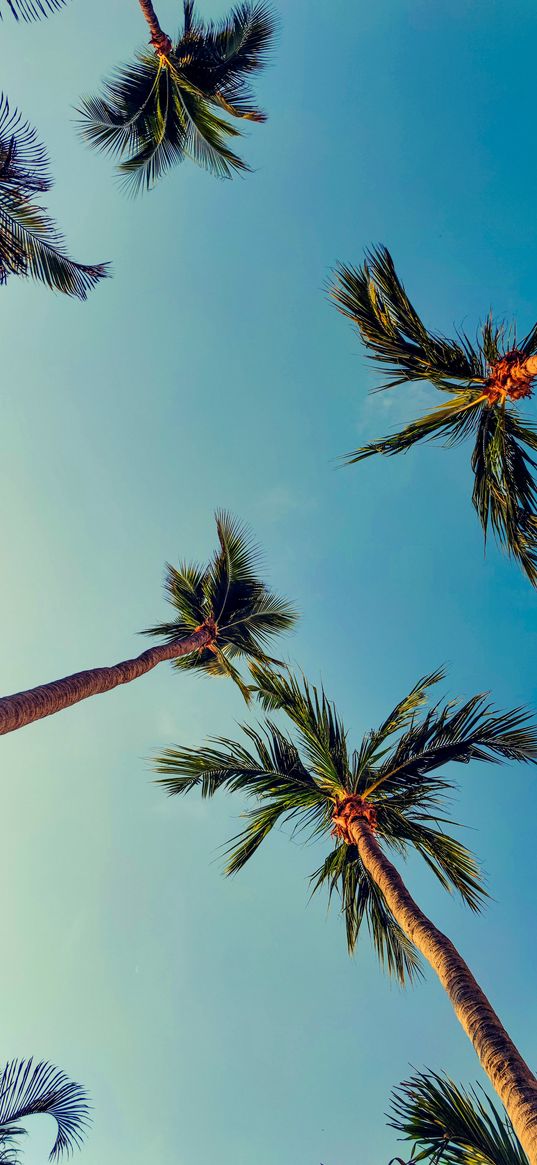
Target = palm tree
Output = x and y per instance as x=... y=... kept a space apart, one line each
x=224 y=613
x=484 y=381
x=27 y=1089
x=168 y=104
x=30 y=243
x=458 y=1126
x=388 y=793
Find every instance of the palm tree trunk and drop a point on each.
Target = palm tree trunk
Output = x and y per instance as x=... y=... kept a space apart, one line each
x=25 y=707
x=507 y=1071
x=159 y=38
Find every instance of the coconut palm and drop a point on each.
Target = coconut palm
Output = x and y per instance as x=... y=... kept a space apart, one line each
x=168 y=104
x=387 y=794
x=31 y=9
x=484 y=381
x=27 y=1089
x=30 y=243
x=224 y=613
x=447 y=1123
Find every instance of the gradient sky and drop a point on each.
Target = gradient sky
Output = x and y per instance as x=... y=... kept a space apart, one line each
x=222 y=1021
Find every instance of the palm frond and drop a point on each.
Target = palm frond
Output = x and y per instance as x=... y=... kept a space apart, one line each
x=231 y=593
x=450 y=861
x=453 y=732
x=31 y=9
x=453 y=1125
x=157 y=111
x=321 y=731
x=453 y=421
x=361 y=900
x=505 y=490
x=30 y=242
x=369 y=753
x=27 y=1089
x=373 y=297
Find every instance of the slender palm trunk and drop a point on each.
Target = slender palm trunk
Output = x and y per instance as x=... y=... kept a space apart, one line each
x=25 y=707
x=159 y=38
x=507 y=1071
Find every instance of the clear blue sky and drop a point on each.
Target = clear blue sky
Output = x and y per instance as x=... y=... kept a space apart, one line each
x=220 y=1021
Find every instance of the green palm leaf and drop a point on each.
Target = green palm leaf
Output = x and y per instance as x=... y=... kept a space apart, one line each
x=30 y=242
x=27 y=1089
x=162 y=109
x=299 y=779
x=447 y=1123
x=505 y=491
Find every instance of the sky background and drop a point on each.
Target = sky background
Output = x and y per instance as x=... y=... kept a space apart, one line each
x=211 y=1020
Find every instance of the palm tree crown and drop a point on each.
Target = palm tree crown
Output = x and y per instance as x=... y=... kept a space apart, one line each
x=484 y=381
x=27 y=1089
x=229 y=596
x=393 y=779
x=447 y=1123
x=168 y=104
x=30 y=243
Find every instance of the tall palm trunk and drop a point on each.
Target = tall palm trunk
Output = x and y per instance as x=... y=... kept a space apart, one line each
x=25 y=707
x=159 y=38
x=507 y=1071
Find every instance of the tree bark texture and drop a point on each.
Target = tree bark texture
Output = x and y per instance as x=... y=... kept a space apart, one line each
x=508 y=1073
x=24 y=707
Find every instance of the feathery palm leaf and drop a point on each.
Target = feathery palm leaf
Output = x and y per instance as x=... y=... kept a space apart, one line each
x=27 y=1089
x=482 y=390
x=31 y=9
x=30 y=242
x=165 y=107
x=446 y=1123
x=396 y=770
x=229 y=593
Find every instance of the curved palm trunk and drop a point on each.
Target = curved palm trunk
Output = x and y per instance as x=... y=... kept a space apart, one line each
x=159 y=38
x=507 y=1071
x=25 y=707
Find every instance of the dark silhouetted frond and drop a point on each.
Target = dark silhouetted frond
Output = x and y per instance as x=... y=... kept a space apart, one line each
x=30 y=9
x=453 y=1125
x=505 y=490
x=27 y=1089
x=161 y=109
x=30 y=242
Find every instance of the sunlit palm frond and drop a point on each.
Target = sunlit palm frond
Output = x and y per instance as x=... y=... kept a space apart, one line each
x=31 y=9
x=505 y=489
x=451 y=1124
x=27 y=1089
x=30 y=242
x=453 y=421
x=230 y=593
x=162 y=108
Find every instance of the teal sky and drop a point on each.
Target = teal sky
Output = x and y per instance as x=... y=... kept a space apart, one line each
x=222 y=1021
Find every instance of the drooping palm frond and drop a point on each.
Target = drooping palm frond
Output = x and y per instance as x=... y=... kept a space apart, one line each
x=27 y=1089
x=30 y=242
x=505 y=491
x=398 y=772
x=229 y=592
x=450 y=1124
x=164 y=108
x=31 y=9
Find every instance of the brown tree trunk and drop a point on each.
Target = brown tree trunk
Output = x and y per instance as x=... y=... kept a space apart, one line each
x=159 y=39
x=507 y=1071
x=25 y=707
